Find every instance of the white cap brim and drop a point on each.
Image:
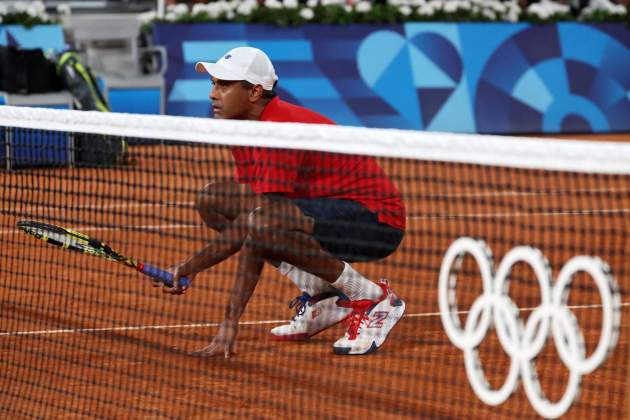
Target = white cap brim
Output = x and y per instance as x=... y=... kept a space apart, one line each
x=216 y=70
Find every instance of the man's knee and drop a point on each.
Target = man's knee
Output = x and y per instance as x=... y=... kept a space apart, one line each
x=280 y=216
x=258 y=226
x=218 y=203
x=257 y=223
x=275 y=240
x=219 y=197
x=268 y=227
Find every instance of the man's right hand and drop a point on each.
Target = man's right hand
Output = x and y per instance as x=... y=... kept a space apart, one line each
x=178 y=271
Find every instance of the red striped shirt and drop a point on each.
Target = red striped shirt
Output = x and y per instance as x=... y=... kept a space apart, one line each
x=309 y=174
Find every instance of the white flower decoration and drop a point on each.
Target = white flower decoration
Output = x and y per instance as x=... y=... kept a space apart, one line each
x=233 y=5
x=64 y=9
x=426 y=10
x=547 y=8
x=333 y=2
x=607 y=6
x=512 y=16
x=405 y=10
x=247 y=7
x=363 y=6
x=489 y=14
x=180 y=9
x=451 y=6
x=307 y=13
x=146 y=17
x=198 y=8
x=222 y=7
x=273 y=4
x=39 y=9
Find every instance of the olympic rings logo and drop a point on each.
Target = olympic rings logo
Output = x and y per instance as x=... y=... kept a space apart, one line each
x=524 y=341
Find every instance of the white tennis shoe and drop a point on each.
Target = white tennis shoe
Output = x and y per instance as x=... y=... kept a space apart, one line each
x=370 y=322
x=313 y=315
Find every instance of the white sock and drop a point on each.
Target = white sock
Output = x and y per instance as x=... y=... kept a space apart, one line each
x=355 y=286
x=305 y=281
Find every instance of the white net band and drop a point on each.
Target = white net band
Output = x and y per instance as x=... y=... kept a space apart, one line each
x=517 y=152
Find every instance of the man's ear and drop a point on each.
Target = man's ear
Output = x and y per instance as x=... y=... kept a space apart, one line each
x=255 y=93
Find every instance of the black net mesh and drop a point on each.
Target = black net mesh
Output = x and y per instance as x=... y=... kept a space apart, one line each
x=81 y=336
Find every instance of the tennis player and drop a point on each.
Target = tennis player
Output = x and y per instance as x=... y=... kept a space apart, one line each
x=310 y=214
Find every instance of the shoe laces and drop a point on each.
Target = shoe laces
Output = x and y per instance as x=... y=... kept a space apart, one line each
x=356 y=319
x=299 y=303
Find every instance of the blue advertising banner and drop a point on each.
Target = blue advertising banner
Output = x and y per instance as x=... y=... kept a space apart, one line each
x=469 y=77
x=46 y=37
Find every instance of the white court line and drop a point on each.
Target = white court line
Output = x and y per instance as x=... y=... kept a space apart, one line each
x=132 y=328
x=430 y=314
x=216 y=324
x=506 y=215
x=423 y=197
x=551 y=192
x=440 y=216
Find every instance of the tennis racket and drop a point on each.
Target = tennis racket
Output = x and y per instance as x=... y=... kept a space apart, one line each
x=75 y=241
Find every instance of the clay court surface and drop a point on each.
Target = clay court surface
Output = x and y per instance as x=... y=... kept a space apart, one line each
x=81 y=337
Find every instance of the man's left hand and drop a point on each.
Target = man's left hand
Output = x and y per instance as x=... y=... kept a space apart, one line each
x=222 y=343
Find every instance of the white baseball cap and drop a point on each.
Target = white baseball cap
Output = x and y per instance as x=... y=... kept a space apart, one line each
x=242 y=63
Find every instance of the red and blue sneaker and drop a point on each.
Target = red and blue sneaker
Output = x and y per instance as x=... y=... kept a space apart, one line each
x=370 y=322
x=313 y=314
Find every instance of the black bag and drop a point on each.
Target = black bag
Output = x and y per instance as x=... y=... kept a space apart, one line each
x=99 y=150
x=89 y=149
x=27 y=71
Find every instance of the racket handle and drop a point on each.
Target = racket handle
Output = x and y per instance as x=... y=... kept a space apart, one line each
x=165 y=276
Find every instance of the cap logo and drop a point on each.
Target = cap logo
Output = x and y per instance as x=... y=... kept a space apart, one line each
x=228 y=56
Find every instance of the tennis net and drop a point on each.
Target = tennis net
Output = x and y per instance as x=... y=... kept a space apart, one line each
x=514 y=268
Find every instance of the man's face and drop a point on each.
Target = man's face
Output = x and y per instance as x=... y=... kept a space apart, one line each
x=230 y=100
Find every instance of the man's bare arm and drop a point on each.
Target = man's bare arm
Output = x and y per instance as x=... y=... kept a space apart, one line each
x=226 y=243
x=250 y=266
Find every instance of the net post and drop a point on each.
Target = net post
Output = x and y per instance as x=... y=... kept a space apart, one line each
x=7 y=144
x=71 y=150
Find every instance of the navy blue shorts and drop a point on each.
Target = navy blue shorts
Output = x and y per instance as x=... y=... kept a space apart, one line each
x=348 y=230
